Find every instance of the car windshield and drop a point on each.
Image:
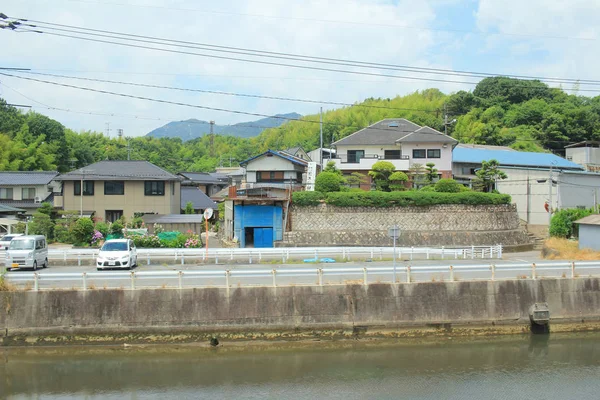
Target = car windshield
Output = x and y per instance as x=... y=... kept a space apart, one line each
x=6 y=238
x=114 y=246
x=27 y=244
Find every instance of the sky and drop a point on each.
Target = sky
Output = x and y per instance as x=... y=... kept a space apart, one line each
x=544 y=38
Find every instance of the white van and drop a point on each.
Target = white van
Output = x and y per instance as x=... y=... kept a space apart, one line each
x=27 y=252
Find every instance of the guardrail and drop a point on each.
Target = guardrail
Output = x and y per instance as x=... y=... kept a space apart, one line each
x=301 y=276
x=284 y=254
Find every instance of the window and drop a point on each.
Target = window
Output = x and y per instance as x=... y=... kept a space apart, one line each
x=6 y=193
x=419 y=153
x=269 y=176
x=434 y=153
x=88 y=188
x=154 y=188
x=114 y=187
x=299 y=177
x=354 y=156
x=28 y=193
x=113 y=215
x=392 y=154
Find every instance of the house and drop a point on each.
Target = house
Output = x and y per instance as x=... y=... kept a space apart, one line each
x=9 y=216
x=399 y=141
x=112 y=189
x=297 y=152
x=209 y=183
x=589 y=232
x=586 y=154
x=321 y=155
x=528 y=181
x=275 y=167
x=200 y=201
x=28 y=190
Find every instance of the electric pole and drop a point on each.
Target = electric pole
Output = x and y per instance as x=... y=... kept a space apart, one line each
x=108 y=129
x=321 y=146
x=212 y=139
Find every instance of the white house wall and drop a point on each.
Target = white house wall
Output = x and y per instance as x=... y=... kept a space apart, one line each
x=584 y=155
x=273 y=163
x=578 y=190
x=444 y=163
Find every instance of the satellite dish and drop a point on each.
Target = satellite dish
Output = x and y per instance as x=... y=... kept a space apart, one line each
x=208 y=213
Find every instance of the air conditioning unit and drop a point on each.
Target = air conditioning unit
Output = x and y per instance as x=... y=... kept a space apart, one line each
x=37 y=199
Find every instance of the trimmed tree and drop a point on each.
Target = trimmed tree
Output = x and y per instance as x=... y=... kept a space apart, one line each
x=380 y=173
x=431 y=173
x=398 y=181
x=488 y=175
x=328 y=182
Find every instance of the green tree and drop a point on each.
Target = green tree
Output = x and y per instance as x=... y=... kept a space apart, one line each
x=355 y=179
x=416 y=175
x=189 y=208
x=330 y=167
x=398 y=181
x=46 y=208
x=82 y=230
x=380 y=172
x=328 y=182
x=41 y=224
x=488 y=174
x=431 y=173
x=447 y=185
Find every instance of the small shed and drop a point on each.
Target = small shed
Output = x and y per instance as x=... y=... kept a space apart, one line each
x=589 y=232
x=176 y=222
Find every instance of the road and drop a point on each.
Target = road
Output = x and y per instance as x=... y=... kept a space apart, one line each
x=513 y=266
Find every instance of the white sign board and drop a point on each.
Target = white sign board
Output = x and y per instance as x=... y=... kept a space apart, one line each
x=311 y=176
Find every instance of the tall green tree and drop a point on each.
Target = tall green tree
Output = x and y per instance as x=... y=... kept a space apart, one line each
x=488 y=174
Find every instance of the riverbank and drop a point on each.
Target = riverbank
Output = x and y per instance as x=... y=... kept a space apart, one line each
x=293 y=313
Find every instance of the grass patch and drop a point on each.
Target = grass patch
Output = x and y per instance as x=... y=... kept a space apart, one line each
x=564 y=249
x=5 y=286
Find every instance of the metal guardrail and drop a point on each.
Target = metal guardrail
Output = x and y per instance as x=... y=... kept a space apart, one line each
x=284 y=254
x=317 y=276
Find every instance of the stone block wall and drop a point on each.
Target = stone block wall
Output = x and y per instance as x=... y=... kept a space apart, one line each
x=439 y=225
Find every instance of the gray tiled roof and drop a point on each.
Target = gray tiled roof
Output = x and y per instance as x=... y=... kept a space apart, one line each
x=427 y=135
x=385 y=132
x=589 y=220
x=120 y=171
x=28 y=204
x=20 y=178
x=198 y=198
x=173 y=218
x=8 y=208
x=201 y=177
x=292 y=150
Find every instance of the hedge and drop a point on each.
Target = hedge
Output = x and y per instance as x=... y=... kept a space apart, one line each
x=398 y=199
x=307 y=198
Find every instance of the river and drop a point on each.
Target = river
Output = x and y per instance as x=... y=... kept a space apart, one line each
x=556 y=366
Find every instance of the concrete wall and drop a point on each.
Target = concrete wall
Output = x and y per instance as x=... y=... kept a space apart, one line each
x=288 y=311
x=134 y=200
x=441 y=225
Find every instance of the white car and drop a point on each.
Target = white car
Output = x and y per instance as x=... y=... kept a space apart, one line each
x=5 y=241
x=117 y=253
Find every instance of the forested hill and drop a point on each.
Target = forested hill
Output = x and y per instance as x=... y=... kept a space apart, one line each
x=522 y=114
x=193 y=128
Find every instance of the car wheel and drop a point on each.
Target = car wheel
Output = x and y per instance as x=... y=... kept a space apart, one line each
x=35 y=265
x=98 y=269
x=8 y=269
x=46 y=263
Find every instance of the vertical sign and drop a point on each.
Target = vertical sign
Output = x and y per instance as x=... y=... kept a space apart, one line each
x=311 y=175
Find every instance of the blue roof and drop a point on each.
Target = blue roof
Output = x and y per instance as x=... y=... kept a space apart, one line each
x=516 y=158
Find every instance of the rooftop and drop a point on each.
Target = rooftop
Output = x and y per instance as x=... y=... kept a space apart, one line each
x=281 y=154
x=120 y=171
x=589 y=220
x=173 y=218
x=427 y=135
x=197 y=197
x=20 y=178
x=512 y=158
x=204 y=177
x=385 y=132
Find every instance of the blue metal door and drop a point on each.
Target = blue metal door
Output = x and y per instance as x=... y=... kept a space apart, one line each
x=263 y=237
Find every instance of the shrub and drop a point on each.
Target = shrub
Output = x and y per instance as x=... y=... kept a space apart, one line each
x=82 y=230
x=328 y=182
x=428 y=188
x=46 y=208
x=412 y=198
x=96 y=237
x=307 y=198
x=136 y=223
x=398 y=180
x=41 y=224
x=116 y=228
x=177 y=242
x=149 y=241
x=447 y=186
x=62 y=234
x=561 y=224
x=103 y=228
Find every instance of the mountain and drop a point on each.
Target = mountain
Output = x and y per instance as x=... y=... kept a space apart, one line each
x=193 y=128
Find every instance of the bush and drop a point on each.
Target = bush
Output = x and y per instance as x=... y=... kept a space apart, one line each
x=41 y=224
x=116 y=228
x=447 y=186
x=328 y=182
x=561 y=224
x=149 y=241
x=412 y=198
x=82 y=231
x=398 y=181
x=136 y=223
x=307 y=198
x=62 y=234
x=103 y=228
x=428 y=188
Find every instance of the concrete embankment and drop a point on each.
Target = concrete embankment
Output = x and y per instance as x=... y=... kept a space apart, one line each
x=295 y=312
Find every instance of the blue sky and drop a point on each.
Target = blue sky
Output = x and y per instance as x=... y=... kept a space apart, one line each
x=537 y=37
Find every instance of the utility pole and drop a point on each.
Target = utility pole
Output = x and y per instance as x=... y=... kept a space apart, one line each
x=550 y=200
x=321 y=146
x=445 y=119
x=212 y=139
x=108 y=129
x=128 y=149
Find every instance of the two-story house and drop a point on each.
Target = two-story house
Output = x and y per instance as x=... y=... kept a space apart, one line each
x=275 y=167
x=399 y=141
x=112 y=189
x=27 y=190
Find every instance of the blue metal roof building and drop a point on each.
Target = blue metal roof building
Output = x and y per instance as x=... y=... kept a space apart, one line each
x=512 y=158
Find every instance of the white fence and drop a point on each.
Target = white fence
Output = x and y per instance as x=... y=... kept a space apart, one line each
x=300 y=276
x=224 y=255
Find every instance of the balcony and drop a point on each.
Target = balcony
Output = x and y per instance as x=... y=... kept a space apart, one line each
x=344 y=163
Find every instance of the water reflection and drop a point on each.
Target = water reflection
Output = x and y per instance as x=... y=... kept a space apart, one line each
x=547 y=366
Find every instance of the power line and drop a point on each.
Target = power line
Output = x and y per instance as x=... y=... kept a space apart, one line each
x=328 y=21
x=237 y=94
x=287 y=56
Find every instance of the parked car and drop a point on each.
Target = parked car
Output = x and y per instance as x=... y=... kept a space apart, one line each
x=5 y=241
x=27 y=251
x=117 y=253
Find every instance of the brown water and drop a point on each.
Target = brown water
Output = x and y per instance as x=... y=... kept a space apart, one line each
x=539 y=367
